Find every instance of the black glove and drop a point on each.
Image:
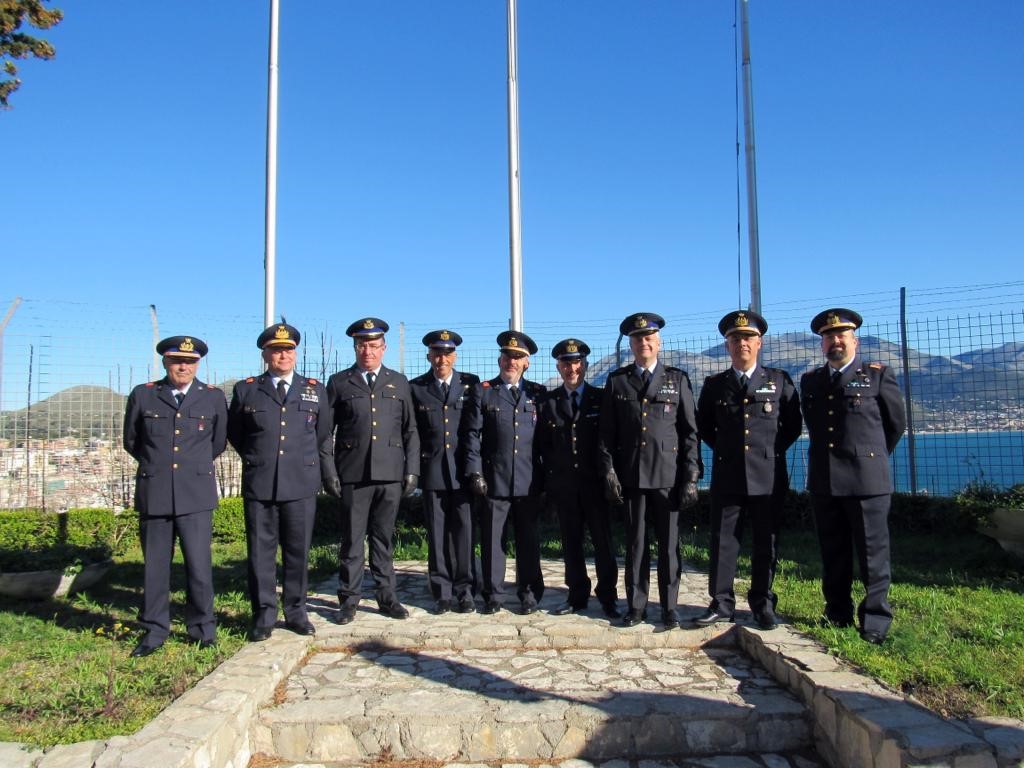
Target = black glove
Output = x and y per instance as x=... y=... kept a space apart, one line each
x=613 y=488
x=687 y=495
x=409 y=485
x=477 y=484
x=333 y=487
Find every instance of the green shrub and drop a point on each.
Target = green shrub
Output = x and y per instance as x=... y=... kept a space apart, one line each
x=229 y=520
x=31 y=539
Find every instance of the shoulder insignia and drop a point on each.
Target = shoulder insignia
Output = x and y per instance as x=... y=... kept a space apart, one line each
x=312 y=381
x=876 y=366
x=487 y=385
x=250 y=380
x=150 y=383
x=213 y=388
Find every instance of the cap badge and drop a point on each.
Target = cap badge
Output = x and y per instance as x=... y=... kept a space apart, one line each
x=513 y=342
x=187 y=345
x=281 y=333
x=640 y=322
x=367 y=323
x=741 y=321
x=571 y=347
x=832 y=319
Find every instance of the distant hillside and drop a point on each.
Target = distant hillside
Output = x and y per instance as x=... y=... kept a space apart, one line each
x=81 y=411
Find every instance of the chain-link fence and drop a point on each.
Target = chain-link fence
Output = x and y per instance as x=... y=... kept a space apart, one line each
x=65 y=370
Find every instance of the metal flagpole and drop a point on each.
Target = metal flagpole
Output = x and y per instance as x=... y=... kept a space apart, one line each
x=514 y=219
x=748 y=130
x=270 y=234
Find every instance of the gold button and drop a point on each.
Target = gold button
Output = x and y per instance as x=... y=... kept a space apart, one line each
x=746 y=447
x=830 y=413
x=746 y=431
x=831 y=445
x=447 y=445
x=372 y=397
x=830 y=429
x=178 y=416
x=175 y=448
x=643 y=443
x=177 y=431
x=374 y=437
x=283 y=409
x=174 y=466
x=447 y=434
x=284 y=423
x=645 y=399
x=517 y=437
x=643 y=429
x=281 y=452
x=373 y=410
x=282 y=437
x=872 y=454
x=446 y=421
x=515 y=450
x=746 y=400
x=830 y=397
x=375 y=423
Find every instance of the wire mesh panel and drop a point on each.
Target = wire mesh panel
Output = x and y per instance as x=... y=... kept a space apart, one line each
x=66 y=369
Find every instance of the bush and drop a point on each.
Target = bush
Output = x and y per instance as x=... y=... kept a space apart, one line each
x=229 y=520
x=32 y=540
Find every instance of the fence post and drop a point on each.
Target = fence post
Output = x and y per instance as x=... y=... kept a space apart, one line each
x=905 y=352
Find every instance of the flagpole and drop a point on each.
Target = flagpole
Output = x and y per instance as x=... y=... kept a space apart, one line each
x=748 y=131
x=270 y=233
x=514 y=214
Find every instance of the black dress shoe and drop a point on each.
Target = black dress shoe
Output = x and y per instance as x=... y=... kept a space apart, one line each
x=713 y=616
x=301 y=627
x=346 y=615
x=765 y=618
x=394 y=610
x=443 y=606
x=610 y=610
x=142 y=649
x=633 y=618
x=670 y=619
x=466 y=605
x=870 y=636
x=491 y=606
x=527 y=608
x=564 y=609
x=259 y=634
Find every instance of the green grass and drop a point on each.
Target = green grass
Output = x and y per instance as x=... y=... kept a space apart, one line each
x=957 y=639
x=64 y=664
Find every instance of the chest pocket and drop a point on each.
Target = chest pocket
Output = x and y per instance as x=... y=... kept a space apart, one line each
x=156 y=424
x=663 y=405
x=309 y=412
x=200 y=419
x=766 y=406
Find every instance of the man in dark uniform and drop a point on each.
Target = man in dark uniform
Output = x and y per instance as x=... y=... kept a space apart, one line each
x=499 y=465
x=749 y=415
x=443 y=398
x=377 y=455
x=274 y=423
x=175 y=428
x=566 y=442
x=649 y=447
x=855 y=415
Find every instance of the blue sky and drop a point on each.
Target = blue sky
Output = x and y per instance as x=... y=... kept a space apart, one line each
x=888 y=138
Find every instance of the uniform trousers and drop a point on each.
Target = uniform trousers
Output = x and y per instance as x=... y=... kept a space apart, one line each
x=643 y=506
x=450 y=543
x=157 y=535
x=581 y=507
x=730 y=514
x=368 y=509
x=267 y=524
x=529 y=580
x=845 y=523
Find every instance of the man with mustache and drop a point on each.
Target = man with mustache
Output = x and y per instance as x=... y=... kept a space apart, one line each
x=855 y=414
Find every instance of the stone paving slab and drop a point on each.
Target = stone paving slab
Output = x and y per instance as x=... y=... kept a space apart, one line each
x=505 y=703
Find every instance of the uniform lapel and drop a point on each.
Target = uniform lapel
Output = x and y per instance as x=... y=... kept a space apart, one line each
x=267 y=387
x=634 y=380
x=164 y=393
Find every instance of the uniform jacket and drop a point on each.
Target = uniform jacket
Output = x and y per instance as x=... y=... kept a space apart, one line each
x=649 y=437
x=499 y=438
x=175 y=447
x=567 y=447
x=285 y=446
x=749 y=429
x=438 y=422
x=853 y=426
x=375 y=433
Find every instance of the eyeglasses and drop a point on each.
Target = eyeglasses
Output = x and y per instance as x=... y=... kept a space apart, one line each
x=374 y=345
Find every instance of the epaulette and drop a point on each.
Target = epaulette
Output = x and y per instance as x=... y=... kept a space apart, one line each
x=150 y=383
x=312 y=381
x=487 y=385
x=876 y=366
x=250 y=380
x=215 y=389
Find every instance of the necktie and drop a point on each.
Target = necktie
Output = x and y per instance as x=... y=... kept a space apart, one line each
x=282 y=389
x=836 y=376
x=179 y=397
x=444 y=391
x=370 y=378
x=743 y=381
x=575 y=404
x=515 y=392
x=646 y=376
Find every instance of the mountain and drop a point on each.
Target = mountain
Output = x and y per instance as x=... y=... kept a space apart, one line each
x=80 y=411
